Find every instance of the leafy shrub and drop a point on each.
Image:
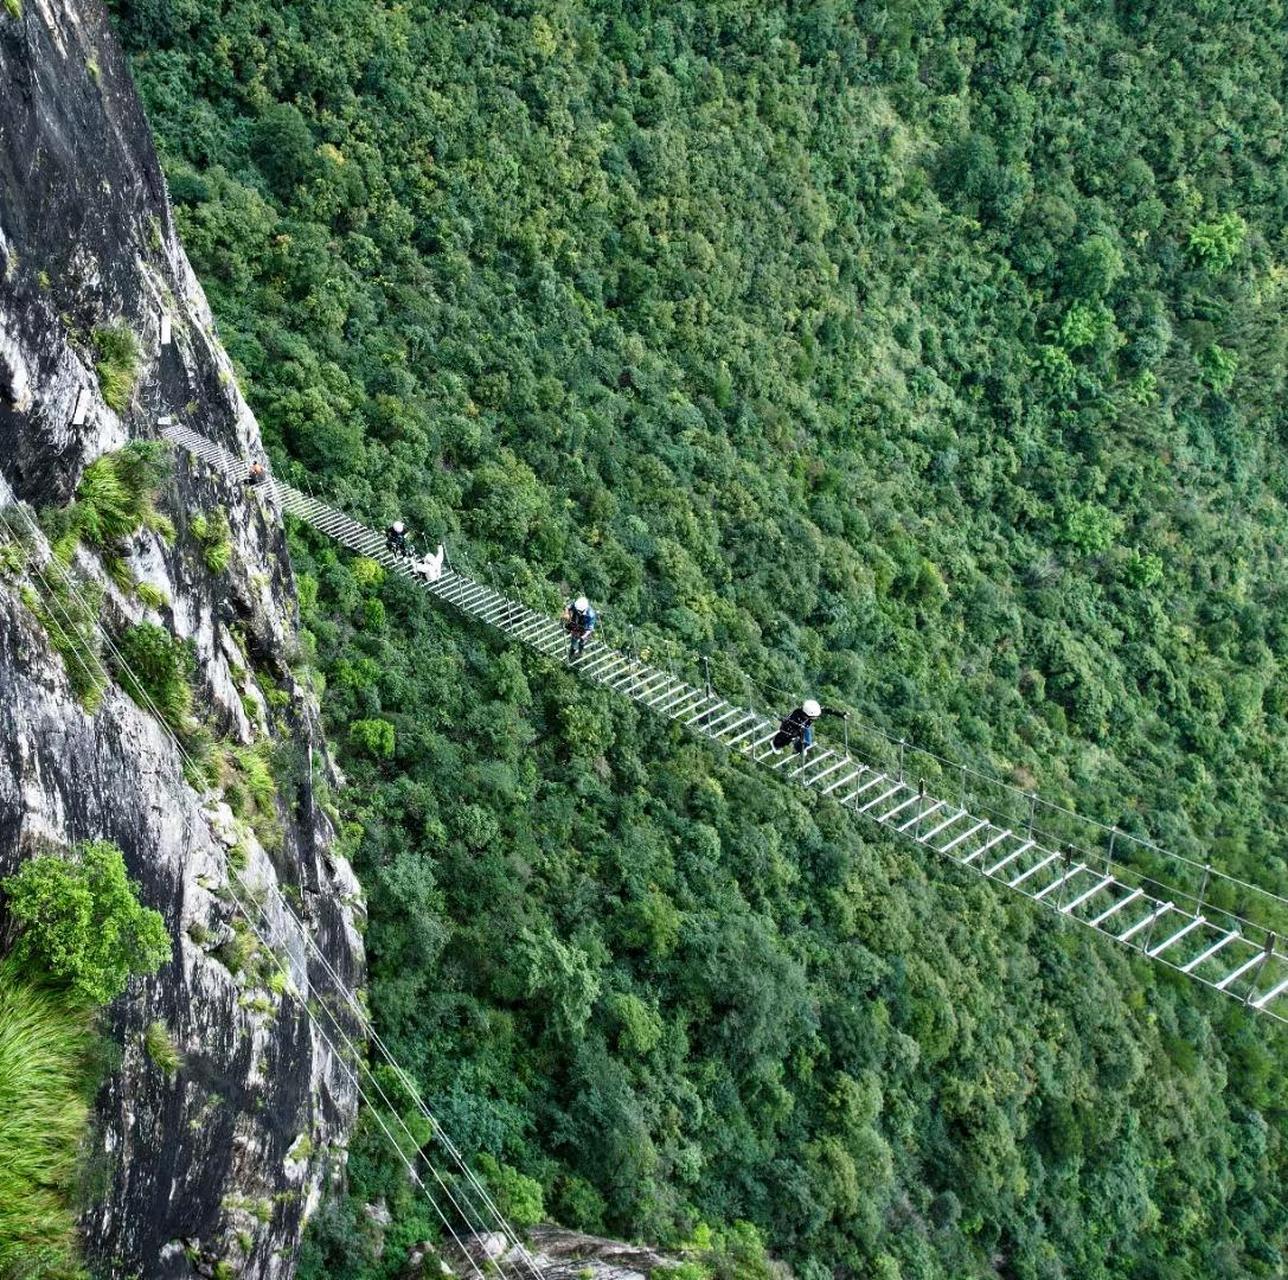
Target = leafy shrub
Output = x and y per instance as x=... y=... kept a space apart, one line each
x=81 y=921
x=517 y=1196
x=1095 y=266
x=118 y=361
x=1219 y=365
x=375 y=737
x=45 y=1048
x=1218 y=243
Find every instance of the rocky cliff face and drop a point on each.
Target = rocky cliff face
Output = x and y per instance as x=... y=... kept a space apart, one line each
x=210 y=1169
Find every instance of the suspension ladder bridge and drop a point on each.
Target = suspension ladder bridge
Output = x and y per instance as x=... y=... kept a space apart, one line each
x=1242 y=958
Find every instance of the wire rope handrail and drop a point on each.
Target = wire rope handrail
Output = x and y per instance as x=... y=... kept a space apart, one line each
x=1225 y=951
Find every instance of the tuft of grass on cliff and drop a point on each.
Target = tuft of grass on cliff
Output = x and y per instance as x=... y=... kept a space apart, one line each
x=46 y=1044
x=118 y=357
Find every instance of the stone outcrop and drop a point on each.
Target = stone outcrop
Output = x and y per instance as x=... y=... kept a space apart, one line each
x=213 y=1168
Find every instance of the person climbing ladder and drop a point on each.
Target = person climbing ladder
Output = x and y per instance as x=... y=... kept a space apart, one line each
x=579 y=621
x=429 y=568
x=797 y=728
x=396 y=540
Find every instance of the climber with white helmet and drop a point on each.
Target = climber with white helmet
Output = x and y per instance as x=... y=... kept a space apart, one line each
x=396 y=539
x=797 y=729
x=579 y=621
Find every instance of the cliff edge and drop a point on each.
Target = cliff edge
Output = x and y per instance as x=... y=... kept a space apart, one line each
x=209 y=1166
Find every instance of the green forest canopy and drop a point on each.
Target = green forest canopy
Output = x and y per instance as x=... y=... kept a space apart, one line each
x=928 y=356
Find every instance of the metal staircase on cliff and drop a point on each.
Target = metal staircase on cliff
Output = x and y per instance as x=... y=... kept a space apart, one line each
x=1237 y=957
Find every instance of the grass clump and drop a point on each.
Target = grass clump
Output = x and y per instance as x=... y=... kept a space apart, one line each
x=161 y=1049
x=155 y=672
x=71 y=623
x=46 y=1048
x=117 y=350
x=13 y=8
x=116 y=498
x=216 y=538
x=251 y=791
x=152 y=597
x=13 y=559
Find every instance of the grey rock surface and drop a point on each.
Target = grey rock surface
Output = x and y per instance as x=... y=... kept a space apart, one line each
x=221 y=1162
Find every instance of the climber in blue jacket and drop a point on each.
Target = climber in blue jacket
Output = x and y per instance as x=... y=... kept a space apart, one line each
x=579 y=621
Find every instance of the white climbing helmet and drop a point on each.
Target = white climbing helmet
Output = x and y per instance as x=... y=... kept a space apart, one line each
x=581 y=604
x=398 y=526
x=811 y=708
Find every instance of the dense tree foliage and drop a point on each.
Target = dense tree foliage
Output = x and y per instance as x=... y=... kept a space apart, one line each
x=926 y=355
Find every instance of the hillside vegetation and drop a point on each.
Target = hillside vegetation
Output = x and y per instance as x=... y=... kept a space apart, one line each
x=929 y=356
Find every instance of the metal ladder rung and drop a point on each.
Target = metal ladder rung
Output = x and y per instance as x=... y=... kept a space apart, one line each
x=452 y=589
x=546 y=642
x=1211 y=951
x=1261 y=1001
x=900 y=807
x=658 y=696
x=1089 y=893
x=762 y=742
x=495 y=611
x=809 y=764
x=965 y=835
x=1140 y=924
x=609 y=671
x=704 y=710
x=1116 y=908
x=1033 y=870
x=831 y=769
x=655 y=684
x=1010 y=857
x=597 y=668
x=473 y=594
x=732 y=713
x=1196 y=923
x=1239 y=972
x=523 y=629
x=985 y=847
x=648 y=679
x=600 y=656
x=885 y=795
x=755 y=728
x=925 y=813
x=540 y=636
x=749 y=718
x=943 y=826
x=874 y=781
x=1060 y=883
x=840 y=782
x=686 y=694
